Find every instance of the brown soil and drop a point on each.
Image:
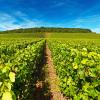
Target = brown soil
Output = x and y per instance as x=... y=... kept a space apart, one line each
x=47 y=86
x=42 y=90
x=52 y=77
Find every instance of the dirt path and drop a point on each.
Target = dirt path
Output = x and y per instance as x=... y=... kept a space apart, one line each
x=47 y=86
x=52 y=77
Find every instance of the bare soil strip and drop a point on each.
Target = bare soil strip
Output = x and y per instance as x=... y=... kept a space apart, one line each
x=52 y=77
x=47 y=87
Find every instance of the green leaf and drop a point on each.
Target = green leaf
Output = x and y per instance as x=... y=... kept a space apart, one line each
x=8 y=85
x=84 y=61
x=0 y=83
x=7 y=96
x=12 y=76
x=13 y=95
x=75 y=66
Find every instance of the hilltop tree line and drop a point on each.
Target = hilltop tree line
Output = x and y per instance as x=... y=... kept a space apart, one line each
x=46 y=29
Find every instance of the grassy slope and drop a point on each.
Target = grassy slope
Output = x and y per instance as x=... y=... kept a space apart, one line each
x=52 y=35
x=22 y=35
x=75 y=35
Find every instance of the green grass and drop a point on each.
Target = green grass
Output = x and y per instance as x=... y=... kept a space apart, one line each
x=76 y=35
x=22 y=35
x=51 y=35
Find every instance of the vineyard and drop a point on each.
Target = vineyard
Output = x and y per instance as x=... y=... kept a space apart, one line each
x=77 y=65
x=18 y=68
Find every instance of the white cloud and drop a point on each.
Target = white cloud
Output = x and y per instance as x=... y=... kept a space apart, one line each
x=59 y=4
x=67 y=3
x=8 y=22
x=96 y=30
x=88 y=19
x=91 y=22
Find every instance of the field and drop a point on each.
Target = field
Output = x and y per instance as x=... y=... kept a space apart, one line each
x=75 y=58
x=77 y=65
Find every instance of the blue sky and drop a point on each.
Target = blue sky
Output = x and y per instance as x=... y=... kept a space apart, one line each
x=50 y=13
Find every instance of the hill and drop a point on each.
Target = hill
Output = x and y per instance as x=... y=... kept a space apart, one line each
x=48 y=29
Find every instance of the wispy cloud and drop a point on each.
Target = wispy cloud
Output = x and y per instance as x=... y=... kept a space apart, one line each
x=91 y=22
x=19 y=19
x=66 y=3
x=8 y=22
x=88 y=19
x=96 y=30
x=91 y=10
x=57 y=4
x=11 y=21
